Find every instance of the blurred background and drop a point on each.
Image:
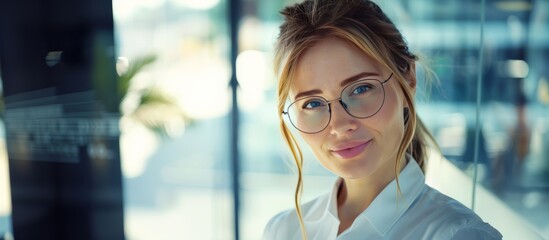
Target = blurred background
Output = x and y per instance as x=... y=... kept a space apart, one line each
x=181 y=133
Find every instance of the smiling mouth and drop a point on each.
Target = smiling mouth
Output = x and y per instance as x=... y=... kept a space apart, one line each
x=351 y=152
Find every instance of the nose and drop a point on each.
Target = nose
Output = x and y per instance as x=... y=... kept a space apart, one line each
x=342 y=122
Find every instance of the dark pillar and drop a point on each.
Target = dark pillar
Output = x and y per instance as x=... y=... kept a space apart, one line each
x=61 y=115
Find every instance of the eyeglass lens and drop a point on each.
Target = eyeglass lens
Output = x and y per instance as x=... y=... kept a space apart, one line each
x=361 y=99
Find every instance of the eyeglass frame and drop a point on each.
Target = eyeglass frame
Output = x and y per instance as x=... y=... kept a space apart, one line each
x=340 y=102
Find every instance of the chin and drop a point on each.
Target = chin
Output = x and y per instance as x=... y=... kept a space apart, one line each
x=351 y=168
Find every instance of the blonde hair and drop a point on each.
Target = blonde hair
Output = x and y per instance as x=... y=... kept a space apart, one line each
x=363 y=24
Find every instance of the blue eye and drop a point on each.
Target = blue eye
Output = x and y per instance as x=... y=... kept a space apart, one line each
x=361 y=89
x=312 y=104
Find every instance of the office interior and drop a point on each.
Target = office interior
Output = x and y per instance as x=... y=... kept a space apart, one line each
x=156 y=119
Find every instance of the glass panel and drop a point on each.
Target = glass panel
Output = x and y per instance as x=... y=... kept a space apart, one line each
x=174 y=142
x=515 y=109
x=512 y=168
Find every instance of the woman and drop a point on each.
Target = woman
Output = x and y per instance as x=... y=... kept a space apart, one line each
x=347 y=84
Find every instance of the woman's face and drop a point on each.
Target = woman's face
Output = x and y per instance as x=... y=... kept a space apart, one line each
x=350 y=147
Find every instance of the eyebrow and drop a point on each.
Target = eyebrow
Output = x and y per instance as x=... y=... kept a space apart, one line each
x=343 y=83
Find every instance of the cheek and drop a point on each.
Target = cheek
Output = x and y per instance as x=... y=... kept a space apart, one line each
x=313 y=140
x=315 y=143
x=390 y=119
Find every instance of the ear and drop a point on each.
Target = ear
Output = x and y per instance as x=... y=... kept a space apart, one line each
x=411 y=77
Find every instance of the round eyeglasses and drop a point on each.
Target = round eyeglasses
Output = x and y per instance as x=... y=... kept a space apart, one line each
x=360 y=99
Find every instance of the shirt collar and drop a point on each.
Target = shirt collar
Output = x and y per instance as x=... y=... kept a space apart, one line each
x=326 y=204
x=389 y=205
x=322 y=221
x=383 y=212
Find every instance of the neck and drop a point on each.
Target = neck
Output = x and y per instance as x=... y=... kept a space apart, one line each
x=355 y=195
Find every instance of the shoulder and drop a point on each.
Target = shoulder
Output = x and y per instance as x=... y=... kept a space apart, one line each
x=447 y=218
x=285 y=225
x=476 y=230
x=279 y=225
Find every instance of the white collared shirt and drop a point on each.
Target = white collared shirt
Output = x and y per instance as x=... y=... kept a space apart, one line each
x=420 y=212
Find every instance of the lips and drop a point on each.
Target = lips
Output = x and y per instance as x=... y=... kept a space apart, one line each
x=350 y=150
